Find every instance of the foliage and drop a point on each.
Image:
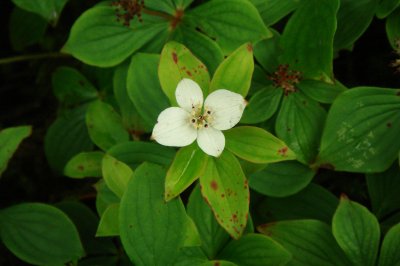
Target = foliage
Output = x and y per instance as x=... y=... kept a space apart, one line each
x=271 y=197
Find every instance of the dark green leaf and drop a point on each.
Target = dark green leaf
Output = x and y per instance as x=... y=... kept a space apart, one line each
x=393 y=28
x=144 y=88
x=105 y=197
x=225 y=188
x=390 y=250
x=357 y=232
x=281 y=179
x=84 y=164
x=272 y=11
x=320 y=91
x=157 y=230
x=168 y=6
x=386 y=7
x=361 y=131
x=310 y=242
x=267 y=52
x=40 y=234
x=50 y=10
x=10 y=138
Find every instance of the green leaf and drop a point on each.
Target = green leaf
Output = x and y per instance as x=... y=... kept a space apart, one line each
x=267 y=52
x=66 y=137
x=71 y=87
x=353 y=18
x=255 y=250
x=201 y=46
x=142 y=73
x=235 y=72
x=155 y=233
x=281 y=179
x=40 y=234
x=191 y=256
x=98 y=38
x=86 y=221
x=313 y=20
x=257 y=145
x=383 y=189
x=131 y=119
x=105 y=197
x=393 y=28
x=116 y=174
x=357 y=232
x=390 y=250
x=213 y=236
x=299 y=124
x=313 y=202
x=225 y=189
x=10 y=138
x=109 y=222
x=84 y=164
x=177 y=63
x=168 y=6
x=105 y=125
x=320 y=91
x=386 y=7
x=25 y=28
x=272 y=11
x=50 y=10
x=361 y=131
x=262 y=105
x=310 y=242
x=134 y=153
x=230 y=22
x=188 y=165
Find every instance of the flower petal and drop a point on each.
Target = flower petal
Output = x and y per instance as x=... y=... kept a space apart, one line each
x=226 y=108
x=211 y=141
x=188 y=94
x=173 y=128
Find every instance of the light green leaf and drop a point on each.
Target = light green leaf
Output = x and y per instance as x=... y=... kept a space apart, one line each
x=177 y=63
x=235 y=72
x=155 y=233
x=105 y=197
x=188 y=165
x=313 y=20
x=390 y=250
x=40 y=234
x=50 y=10
x=224 y=187
x=393 y=28
x=357 y=232
x=98 y=38
x=353 y=18
x=116 y=174
x=299 y=124
x=25 y=28
x=131 y=119
x=255 y=250
x=213 y=236
x=134 y=153
x=144 y=87
x=72 y=88
x=310 y=242
x=320 y=91
x=84 y=164
x=272 y=11
x=386 y=7
x=66 y=137
x=281 y=179
x=230 y=22
x=105 y=125
x=109 y=222
x=313 y=202
x=361 y=131
x=191 y=256
x=10 y=138
x=257 y=145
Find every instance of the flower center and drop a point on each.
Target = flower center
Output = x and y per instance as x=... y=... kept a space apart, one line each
x=199 y=119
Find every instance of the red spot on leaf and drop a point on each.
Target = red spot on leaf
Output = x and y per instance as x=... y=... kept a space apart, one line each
x=246 y=184
x=81 y=167
x=175 y=57
x=389 y=124
x=189 y=73
x=327 y=166
x=214 y=185
x=343 y=196
x=217 y=263
x=249 y=47
x=234 y=217
x=222 y=195
x=289 y=129
x=398 y=94
x=283 y=151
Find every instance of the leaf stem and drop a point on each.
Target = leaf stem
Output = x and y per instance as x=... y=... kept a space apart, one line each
x=29 y=57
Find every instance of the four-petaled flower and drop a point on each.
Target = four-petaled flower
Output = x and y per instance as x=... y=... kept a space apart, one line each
x=180 y=126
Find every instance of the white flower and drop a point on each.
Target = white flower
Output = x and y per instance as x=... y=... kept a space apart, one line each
x=180 y=126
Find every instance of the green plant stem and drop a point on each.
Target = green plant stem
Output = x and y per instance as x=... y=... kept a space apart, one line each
x=21 y=58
